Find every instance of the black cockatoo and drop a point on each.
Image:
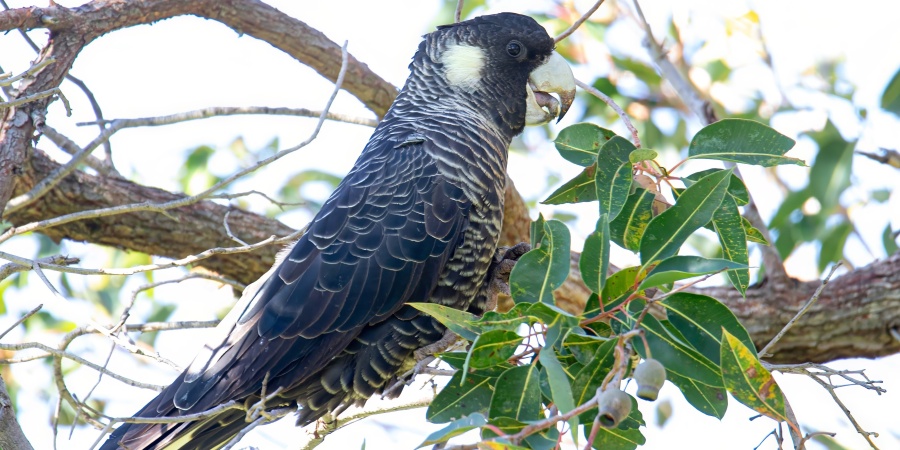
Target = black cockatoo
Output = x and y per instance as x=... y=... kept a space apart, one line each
x=417 y=219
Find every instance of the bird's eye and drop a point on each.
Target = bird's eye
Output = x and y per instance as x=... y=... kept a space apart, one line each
x=514 y=48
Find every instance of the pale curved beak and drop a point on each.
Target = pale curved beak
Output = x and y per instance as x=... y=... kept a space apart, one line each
x=552 y=77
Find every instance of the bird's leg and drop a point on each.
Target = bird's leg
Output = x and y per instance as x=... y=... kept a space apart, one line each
x=504 y=261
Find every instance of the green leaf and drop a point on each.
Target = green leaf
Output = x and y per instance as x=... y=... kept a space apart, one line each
x=890 y=98
x=748 y=381
x=619 y=286
x=830 y=174
x=510 y=320
x=753 y=234
x=543 y=269
x=701 y=319
x=583 y=347
x=695 y=208
x=579 y=143
x=560 y=388
x=629 y=226
x=590 y=377
x=742 y=141
x=677 y=268
x=832 y=248
x=736 y=186
x=675 y=355
x=733 y=239
x=537 y=231
x=492 y=348
x=887 y=240
x=580 y=189
x=594 y=262
x=518 y=395
x=642 y=154
x=460 y=398
x=455 y=428
x=710 y=400
x=454 y=319
x=613 y=177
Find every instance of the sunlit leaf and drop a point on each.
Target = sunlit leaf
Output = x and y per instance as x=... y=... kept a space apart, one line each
x=543 y=269
x=492 y=348
x=729 y=227
x=695 y=208
x=579 y=143
x=454 y=429
x=560 y=388
x=753 y=234
x=629 y=226
x=582 y=188
x=594 y=262
x=677 y=268
x=742 y=141
x=457 y=400
x=452 y=318
x=710 y=400
x=676 y=356
x=613 y=177
x=700 y=319
x=642 y=154
x=748 y=381
x=518 y=395
x=887 y=240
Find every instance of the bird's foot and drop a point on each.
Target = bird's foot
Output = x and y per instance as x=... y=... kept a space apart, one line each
x=504 y=261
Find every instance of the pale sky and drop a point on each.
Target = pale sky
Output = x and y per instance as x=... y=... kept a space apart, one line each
x=188 y=63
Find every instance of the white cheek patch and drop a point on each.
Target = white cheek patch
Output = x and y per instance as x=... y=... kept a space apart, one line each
x=463 y=65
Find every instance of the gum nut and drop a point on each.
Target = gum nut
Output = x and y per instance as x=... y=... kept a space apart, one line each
x=649 y=376
x=614 y=406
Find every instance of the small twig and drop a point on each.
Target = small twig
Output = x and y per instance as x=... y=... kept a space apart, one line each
x=889 y=157
x=70 y=147
x=458 y=14
x=578 y=22
x=866 y=434
x=355 y=416
x=271 y=200
x=160 y=207
x=271 y=416
x=221 y=111
x=809 y=303
x=228 y=229
x=605 y=98
x=151 y=267
x=8 y=81
x=14 y=267
x=50 y=351
x=30 y=98
x=193 y=275
x=52 y=180
x=21 y=319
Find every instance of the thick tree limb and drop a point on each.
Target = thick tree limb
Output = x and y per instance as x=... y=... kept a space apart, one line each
x=11 y=435
x=148 y=232
x=852 y=318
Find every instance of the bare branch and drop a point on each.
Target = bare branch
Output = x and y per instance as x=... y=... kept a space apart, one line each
x=606 y=99
x=222 y=111
x=764 y=351
x=15 y=267
x=21 y=319
x=587 y=15
x=11 y=435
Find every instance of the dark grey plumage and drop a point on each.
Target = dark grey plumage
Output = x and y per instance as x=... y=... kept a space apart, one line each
x=417 y=219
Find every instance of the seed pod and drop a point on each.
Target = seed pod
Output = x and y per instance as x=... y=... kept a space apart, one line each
x=650 y=376
x=614 y=406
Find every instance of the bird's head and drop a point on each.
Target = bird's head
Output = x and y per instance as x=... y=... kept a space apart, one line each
x=508 y=59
